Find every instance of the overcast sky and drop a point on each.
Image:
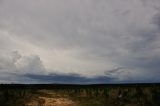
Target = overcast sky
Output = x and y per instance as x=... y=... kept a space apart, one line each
x=88 y=41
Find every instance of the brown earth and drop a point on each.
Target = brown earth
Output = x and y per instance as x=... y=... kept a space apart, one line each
x=49 y=99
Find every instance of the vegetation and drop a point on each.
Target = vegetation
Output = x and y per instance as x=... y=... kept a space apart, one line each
x=84 y=95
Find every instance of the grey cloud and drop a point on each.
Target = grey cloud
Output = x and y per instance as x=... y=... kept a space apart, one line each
x=105 y=34
x=154 y=3
x=13 y=65
x=31 y=64
x=156 y=20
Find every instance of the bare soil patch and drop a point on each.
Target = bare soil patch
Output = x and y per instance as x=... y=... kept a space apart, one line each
x=50 y=100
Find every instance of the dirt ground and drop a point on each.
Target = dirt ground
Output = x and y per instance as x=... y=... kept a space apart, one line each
x=51 y=100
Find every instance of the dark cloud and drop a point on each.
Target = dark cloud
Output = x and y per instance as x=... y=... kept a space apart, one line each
x=109 y=72
x=70 y=79
x=78 y=79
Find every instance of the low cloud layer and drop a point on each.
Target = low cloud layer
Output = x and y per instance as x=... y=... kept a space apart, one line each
x=119 y=40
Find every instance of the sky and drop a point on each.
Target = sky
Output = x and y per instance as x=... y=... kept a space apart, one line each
x=79 y=41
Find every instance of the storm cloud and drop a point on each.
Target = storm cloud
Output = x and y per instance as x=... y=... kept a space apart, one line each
x=119 y=40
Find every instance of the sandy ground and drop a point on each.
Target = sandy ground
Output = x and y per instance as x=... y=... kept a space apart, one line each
x=51 y=101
